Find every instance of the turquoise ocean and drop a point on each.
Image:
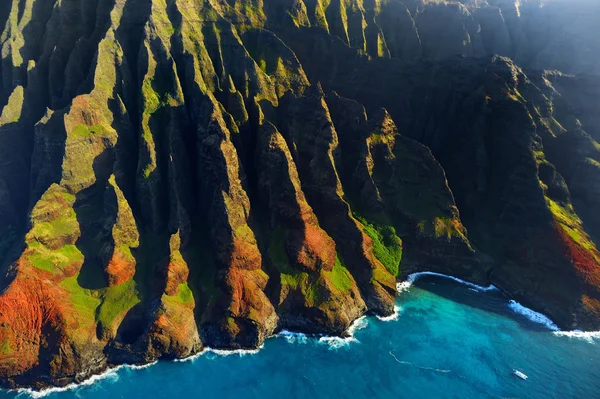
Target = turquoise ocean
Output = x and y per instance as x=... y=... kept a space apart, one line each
x=447 y=340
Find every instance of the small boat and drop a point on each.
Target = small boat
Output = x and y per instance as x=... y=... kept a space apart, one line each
x=520 y=374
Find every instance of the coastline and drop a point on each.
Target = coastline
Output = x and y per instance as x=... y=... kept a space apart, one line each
x=334 y=342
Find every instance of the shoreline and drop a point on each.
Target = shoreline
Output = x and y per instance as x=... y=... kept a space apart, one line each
x=334 y=342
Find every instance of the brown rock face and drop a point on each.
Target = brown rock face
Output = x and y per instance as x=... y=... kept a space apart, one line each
x=181 y=174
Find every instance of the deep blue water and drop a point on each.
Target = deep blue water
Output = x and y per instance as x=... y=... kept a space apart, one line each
x=448 y=341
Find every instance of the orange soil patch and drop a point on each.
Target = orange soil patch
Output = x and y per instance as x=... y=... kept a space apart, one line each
x=584 y=260
x=119 y=269
x=318 y=249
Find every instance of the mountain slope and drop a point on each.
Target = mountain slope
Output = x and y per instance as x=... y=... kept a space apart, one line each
x=186 y=173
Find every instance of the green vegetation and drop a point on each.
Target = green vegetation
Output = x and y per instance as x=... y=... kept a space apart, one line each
x=231 y=323
x=340 y=277
x=184 y=295
x=53 y=260
x=387 y=246
x=85 y=301
x=571 y=224
x=307 y=284
x=445 y=228
x=103 y=305
x=11 y=113
x=442 y=227
x=263 y=65
x=64 y=225
x=515 y=95
x=87 y=131
x=243 y=231
x=116 y=300
x=593 y=162
x=53 y=216
x=5 y=349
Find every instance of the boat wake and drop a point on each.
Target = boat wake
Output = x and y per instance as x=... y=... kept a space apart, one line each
x=419 y=367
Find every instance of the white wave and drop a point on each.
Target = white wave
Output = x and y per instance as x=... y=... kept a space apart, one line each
x=588 y=336
x=193 y=357
x=110 y=374
x=393 y=317
x=358 y=324
x=340 y=342
x=293 y=337
x=532 y=315
x=139 y=367
x=405 y=285
x=337 y=342
x=229 y=352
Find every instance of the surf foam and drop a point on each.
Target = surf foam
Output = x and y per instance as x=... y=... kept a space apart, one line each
x=110 y=374
x=340 y=342
x=229 y=352
x=293 y=337
x=532 y=315
x=393 y=317
x=588 y=336
x=405 y=285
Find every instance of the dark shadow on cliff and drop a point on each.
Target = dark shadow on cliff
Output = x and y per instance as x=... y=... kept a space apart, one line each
x=89 y=209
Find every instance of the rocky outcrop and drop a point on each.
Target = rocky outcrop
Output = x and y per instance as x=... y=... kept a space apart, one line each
x=181 y=174
x=315 y=293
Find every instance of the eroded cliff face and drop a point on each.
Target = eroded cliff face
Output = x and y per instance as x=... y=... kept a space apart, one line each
x=186 y=173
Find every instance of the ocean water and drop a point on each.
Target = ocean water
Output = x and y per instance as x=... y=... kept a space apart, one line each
x=447 y=340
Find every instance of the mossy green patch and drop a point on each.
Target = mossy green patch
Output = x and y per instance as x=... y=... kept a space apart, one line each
x=244 y=231
x=184 y=295
x=231 y=323
x=387 y=246
x=5 y=349
x=117 y=300
x=340 y=276
x=571 y=224
x=263 y=65
x=593 y=162
x=53 y=216
x=100 y=306
x=11 y=113
x=85 y=131
x=53 y=260
x=56 y=228
x=290 y=277
x=85 y=301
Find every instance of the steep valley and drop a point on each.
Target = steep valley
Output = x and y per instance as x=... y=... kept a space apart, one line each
x=180 y=174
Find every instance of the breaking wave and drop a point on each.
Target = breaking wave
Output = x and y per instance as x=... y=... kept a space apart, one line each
x=110 y=374
x=405 y=285
x=588 y=336
x=393 y=317
x=532 y=315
